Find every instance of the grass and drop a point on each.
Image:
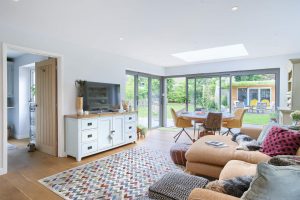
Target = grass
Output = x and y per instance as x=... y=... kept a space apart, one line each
x=249 y=118
x=257 y=119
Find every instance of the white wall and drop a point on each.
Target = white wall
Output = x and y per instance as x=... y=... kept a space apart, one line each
x=240 y=65
x=79 y=62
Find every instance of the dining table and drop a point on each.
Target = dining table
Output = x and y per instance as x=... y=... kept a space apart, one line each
x=200 y=117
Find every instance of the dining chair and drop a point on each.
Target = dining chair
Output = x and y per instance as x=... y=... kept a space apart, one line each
x=236 y=122
x=212 y=123
x=180 y=122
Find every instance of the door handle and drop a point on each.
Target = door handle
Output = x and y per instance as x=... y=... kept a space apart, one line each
x=90 y=147
x=90 y=124
x=89 y=136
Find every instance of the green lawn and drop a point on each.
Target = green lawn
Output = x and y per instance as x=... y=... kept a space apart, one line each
x=249 y=118
x=257 y=119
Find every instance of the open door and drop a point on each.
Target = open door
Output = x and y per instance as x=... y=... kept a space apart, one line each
x=46 y=110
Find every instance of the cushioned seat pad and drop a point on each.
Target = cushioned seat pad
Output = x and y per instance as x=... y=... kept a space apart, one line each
x=200 y=152
x=176 y=186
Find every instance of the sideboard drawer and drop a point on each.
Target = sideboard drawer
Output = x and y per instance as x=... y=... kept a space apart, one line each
x=130 y=118
x=130 y=128
x=89 y=148
x=89 y=135
x=88 y=124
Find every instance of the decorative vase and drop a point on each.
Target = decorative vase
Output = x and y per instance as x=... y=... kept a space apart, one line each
x=79 y=105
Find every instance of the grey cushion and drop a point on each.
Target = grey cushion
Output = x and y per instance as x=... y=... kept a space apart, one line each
x=176 y=186
x=262 y=136
x=274 y=183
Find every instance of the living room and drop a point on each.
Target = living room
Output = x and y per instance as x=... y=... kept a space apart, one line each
x=236 y=59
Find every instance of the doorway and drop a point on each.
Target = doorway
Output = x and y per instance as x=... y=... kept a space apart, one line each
x=27 y=110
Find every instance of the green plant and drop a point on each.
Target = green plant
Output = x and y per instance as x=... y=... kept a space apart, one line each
x=80 y=87
x=295 y=116
x=33 y=90
x=142 y=129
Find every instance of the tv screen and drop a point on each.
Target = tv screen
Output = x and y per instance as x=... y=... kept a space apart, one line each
x=101 y=97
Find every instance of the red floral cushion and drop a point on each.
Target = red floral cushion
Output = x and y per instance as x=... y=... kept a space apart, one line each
x=281 y=142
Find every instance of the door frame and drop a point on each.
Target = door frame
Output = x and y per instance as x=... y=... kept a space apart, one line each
x=3 y=100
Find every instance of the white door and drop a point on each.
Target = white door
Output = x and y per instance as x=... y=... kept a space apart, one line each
x=104 y=132
x=118 y=130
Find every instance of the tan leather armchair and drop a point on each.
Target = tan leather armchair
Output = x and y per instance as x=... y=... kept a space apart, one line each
x=236 y=122
x=181 y=123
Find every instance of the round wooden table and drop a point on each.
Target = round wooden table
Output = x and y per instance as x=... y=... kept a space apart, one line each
x=200 y=117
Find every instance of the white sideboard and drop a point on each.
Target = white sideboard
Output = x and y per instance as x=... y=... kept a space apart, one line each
x=91 y=134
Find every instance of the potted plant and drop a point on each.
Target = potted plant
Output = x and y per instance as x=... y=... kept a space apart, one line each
x=79 y=100
x=295 y=117
x=141 y=131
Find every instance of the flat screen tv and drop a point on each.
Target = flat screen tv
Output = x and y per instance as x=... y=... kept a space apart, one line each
x=101 y=97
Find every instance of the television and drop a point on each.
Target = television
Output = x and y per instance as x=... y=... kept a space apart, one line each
x=101 y=97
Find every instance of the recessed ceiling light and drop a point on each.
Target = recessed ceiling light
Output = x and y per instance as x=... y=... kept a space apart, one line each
x=234 y=8
x=16 y=0
x=121 y=39
x=230 y=51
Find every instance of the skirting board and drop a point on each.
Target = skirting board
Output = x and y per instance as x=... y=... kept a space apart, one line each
x=2 y=172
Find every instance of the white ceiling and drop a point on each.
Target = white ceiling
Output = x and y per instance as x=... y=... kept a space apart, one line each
x=155 y=29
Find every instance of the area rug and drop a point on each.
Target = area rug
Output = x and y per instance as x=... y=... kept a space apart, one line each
x=125 y=175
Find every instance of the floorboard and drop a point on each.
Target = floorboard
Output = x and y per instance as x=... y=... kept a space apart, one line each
x=25 y=169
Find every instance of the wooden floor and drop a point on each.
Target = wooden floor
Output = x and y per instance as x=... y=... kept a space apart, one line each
x=25 y=169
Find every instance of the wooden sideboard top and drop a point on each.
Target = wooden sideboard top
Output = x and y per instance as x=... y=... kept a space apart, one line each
x=106 y=114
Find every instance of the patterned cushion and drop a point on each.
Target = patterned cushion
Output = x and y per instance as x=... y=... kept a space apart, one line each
x=235 y=186
x=245 y=142
x=177 y=153
x=281 y=142
x=176 y=186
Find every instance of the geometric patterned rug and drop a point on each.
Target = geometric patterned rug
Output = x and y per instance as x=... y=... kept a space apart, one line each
x=125 y=175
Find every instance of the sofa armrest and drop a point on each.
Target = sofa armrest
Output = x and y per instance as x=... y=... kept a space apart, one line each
x=252 y=132
x=204 y=194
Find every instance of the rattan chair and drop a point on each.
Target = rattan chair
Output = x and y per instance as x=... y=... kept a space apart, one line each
x=181 y=123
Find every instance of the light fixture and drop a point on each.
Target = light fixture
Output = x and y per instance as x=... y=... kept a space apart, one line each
x=121 y=39
x=234 y=8
x=223 y=52
x=16 y=0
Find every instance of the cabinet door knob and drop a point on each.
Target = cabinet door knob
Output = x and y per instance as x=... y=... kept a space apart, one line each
x=130 y=127
x=89 y=136
x=130 y=118
x=90 y=147
x=90 y=124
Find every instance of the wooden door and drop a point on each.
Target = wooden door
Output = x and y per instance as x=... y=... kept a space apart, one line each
x=118 y=128
x=46 y=111
x=104 y=133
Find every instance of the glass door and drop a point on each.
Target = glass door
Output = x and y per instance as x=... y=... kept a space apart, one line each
x=225 y=94
x=208 y=93
x=143 y=102
x=155 y=102
x=191 y=94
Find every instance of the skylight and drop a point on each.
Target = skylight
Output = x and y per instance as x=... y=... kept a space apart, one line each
x=230 y=51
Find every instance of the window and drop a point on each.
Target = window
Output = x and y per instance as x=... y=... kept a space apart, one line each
x=243 y=95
